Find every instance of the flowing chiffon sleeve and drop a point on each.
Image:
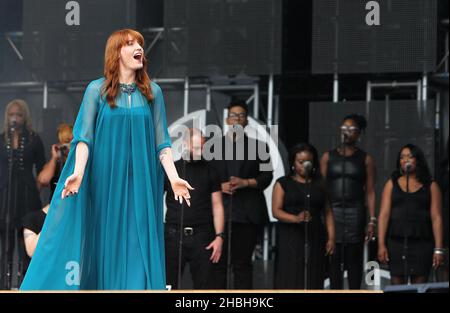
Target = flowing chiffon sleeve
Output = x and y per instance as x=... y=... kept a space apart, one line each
x=62 y=257
x=84 y=127
x=162 y=138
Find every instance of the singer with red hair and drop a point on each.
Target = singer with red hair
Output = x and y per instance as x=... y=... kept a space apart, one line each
x=104 y=228
x=410 y=222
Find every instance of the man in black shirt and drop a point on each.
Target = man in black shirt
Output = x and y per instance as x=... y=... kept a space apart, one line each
x=203 y=222
x=245 y=171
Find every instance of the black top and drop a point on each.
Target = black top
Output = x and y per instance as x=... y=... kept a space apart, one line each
x=410 y=213
x=203 y=178
x=351 y=171
x=34 y=221
x=24 y=194
x=346 y=181
x=249 y=204
x=55 y=178
x=295 y=196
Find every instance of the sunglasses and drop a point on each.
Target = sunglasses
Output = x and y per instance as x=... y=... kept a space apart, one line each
x=351 y=129
x=237 y=115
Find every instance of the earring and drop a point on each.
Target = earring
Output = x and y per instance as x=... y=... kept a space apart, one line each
x=292 y=168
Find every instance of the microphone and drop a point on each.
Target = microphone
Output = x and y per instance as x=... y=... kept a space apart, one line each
x=13 y=124
x=344 y=135
x=307 y=165
x=408 y=167
x=185 y=155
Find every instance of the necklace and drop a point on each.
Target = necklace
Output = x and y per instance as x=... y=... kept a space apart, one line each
x=127 y=88
x=18 y=153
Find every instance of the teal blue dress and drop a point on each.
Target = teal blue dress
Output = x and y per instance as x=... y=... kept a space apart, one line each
x=110 y=235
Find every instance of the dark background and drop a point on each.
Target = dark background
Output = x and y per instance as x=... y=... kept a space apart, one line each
x=230 y=39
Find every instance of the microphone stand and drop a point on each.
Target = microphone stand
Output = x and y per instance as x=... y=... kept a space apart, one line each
x=229 y=230
x=306 y=247
x=229 y=243
x=405 y=239
x=6 y=249
x=343 y=244
x=180 y=241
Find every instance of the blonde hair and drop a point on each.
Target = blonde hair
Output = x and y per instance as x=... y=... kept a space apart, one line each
x=23 y=106
x=64 y=132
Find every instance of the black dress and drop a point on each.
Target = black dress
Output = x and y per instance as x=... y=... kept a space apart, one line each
x=290 y=256
x=24 y=193
x=411 y=218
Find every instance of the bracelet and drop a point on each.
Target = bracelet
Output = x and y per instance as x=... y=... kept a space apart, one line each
x=373 y=219
x=221 y=235
x=439 y=251
x=372 y=224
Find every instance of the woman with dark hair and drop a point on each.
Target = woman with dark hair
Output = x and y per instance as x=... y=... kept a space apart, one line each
x=21 y=151
x=104 y=228
x=290 y=206
x=350 y=175
x=410 y=220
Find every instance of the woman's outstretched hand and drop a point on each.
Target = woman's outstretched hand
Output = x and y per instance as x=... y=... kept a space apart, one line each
x=72 y=185
x=181 y=189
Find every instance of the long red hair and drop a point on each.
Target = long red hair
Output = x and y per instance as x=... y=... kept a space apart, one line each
x=111 y=70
